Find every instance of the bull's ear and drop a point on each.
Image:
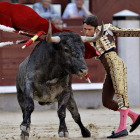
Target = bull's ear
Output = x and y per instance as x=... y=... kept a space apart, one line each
x=93 y=39
x=49 y=37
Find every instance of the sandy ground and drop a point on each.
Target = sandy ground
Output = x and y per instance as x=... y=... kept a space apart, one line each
x=101 y=122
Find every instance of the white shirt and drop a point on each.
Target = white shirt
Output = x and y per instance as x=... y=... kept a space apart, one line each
x=72 y=9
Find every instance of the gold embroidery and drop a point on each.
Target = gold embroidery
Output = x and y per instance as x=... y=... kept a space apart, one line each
x=124 y=31
x=91 y=43
x=104 y=44
x=118 y=72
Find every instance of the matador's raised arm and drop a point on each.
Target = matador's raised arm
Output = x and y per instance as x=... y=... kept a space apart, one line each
x=124 y=32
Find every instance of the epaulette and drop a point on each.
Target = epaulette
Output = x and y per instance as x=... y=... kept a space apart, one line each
x=106 y=27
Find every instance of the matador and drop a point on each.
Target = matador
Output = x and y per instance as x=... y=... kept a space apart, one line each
x=116 y=71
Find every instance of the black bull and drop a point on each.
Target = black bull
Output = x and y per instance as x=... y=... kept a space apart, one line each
x=45 y=76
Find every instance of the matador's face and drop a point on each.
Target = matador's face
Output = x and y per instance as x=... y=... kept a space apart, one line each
x=89 y=30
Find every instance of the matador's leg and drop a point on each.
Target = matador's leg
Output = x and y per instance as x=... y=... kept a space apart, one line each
x=118 y=73
x=134 y=116
x=108 y=89
x=108 y=94
x=116 y=68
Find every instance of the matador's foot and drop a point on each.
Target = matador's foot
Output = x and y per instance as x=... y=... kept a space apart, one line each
x=135 y=124
x=119 y=134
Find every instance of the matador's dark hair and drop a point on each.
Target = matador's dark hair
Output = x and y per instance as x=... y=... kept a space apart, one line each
x=91 y=20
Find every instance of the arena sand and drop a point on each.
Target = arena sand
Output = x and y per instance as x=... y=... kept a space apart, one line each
x=101 y=122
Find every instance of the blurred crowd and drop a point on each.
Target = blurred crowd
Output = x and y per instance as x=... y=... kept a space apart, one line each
x=46 y=10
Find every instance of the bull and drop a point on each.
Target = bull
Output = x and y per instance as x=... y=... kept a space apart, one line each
x=45 y=76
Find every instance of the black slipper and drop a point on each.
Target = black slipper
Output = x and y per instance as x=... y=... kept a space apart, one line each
x=119 y=134
x=135 y=125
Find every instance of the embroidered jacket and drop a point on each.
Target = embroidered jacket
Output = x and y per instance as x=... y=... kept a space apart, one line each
x=107 y=41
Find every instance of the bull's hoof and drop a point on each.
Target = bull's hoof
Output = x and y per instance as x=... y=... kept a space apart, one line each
x=24 y=136
x=66 y=134
x=63 y=134
x=85 y=133
x=25 y=128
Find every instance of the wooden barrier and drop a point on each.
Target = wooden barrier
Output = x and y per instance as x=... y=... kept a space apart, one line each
x=4 y=0
x=77 y=29
x=11 y=57
x=73 y=21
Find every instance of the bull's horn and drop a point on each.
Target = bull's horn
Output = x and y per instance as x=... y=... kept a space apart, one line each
x=49 y=37
x=93 y=39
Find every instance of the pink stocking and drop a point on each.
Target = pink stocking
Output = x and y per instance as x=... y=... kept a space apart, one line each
x=133 y=115
x=123 y=118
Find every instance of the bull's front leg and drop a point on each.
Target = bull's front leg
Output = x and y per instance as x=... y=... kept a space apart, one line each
x=28 y=107
x=62 y=102
x=72 y=107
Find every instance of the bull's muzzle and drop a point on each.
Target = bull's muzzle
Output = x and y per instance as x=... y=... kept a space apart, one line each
x=82 y=72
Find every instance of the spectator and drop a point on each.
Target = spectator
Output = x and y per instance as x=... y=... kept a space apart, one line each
x=57 y=22
x=75 y=10
x=45 y=9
